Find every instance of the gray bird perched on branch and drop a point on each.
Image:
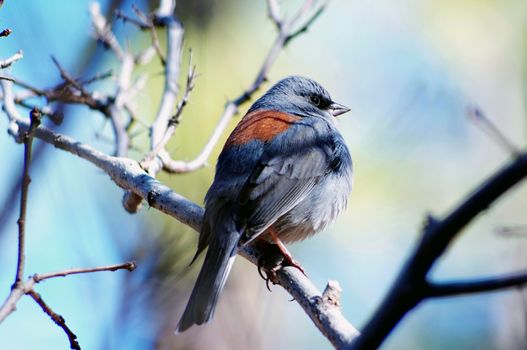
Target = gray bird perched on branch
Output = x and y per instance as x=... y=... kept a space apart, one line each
x=284 y=174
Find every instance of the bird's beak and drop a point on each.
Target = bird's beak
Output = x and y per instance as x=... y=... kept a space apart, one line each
x=337 y=109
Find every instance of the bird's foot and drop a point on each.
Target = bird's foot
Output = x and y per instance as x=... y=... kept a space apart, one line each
x=289 y=261
x=288 y=258
x=272 y=261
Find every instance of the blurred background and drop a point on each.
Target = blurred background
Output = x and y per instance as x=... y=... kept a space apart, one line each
x=407 y=68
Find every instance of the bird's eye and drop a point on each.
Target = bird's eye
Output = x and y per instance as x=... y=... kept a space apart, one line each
x=315 y=100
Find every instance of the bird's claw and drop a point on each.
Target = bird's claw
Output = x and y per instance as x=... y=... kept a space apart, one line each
x=268 y=273
x=289 y=261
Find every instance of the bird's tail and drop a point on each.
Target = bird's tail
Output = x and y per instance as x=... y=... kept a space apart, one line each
x=210 y=282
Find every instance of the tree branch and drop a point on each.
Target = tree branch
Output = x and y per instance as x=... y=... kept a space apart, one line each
x=103 y=31
x=477 y=116
x=58 y=319
x=130 y=266
x=172 y=122
x=9 y=61
x=26 y=287
x=411 y=286
x=446 y=289
x=165 y=18
x=28 y=143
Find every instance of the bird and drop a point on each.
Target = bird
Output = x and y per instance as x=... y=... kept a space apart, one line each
x=283 y=175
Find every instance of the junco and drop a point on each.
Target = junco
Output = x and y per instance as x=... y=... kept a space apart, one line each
x=284 y=174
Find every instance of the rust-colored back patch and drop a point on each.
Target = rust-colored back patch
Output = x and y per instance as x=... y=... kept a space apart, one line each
x=260 y=125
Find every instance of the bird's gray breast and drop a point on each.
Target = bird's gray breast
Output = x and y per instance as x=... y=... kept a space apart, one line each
x=322 y=206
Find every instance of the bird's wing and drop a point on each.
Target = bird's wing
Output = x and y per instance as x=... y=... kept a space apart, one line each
x=279 y=183
x=296 y=156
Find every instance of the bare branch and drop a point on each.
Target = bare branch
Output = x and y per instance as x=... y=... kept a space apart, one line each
x=7 y=78
x=158 y=132
x=10 y=108
x=9 y=305
x=144 y=22
x=274 y=13
x=143 y=25
x=103 y=32
x=116 y=109
x=153 y=32
x=306 y=25
x=9 y=61
x=59 y=320
x=323 y=308
x=445 y=289
x=97 y=77
x=307 y=5
x=166 y=8
x=130 y=266
x=411 y=286
x=59 y=94
x=28 y=143
x=26 y=287
x=173 y=121
x=67 y=77
x=178 y=166
x=480 y=119
x=157 y=45
x=55 y=116
x=168 y=99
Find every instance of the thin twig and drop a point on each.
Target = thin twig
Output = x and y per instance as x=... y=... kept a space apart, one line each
x=149 y=20
x=446 y=289
x=58 y=319
x=103 y=31
x=22 y=288
x=67 y=77
x=97 y=77
x=116 y=109
x=130 y=266
x=174 y=120
x=307 y=25
x=480 y=119
x=10 y=109
x=273 y=11
x=55 y=116
x=28 y=143
x=137 y=22
x=9 y=61
x=98 y=103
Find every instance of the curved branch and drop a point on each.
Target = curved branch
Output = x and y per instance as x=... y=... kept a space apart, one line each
x=129 y=175
x=411 y=286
